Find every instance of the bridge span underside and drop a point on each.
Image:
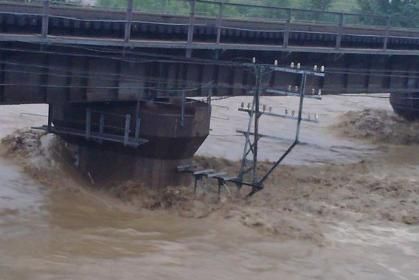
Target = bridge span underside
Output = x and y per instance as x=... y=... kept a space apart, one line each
x=59 y=74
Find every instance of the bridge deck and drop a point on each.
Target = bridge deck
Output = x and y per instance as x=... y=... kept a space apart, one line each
x=369 y=59
x=91 y=26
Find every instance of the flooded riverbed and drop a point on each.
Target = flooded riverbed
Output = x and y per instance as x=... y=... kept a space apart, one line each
x=322 y=231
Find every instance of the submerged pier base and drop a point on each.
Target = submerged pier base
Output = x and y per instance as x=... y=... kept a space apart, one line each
x=106 y=166
x=406 y=104
x=142 y=141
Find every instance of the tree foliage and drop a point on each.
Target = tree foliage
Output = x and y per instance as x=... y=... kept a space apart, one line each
x=322 y=5
x=403 y=13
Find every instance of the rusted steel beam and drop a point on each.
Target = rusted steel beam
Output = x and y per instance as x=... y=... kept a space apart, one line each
x=367 y=78
x=2 y=77
x=128 y=17
x=191 y=28
x=88 y=124
x=387 y=33
x=85 y=79
x=118 y=78
x=69 y=78
x=340 y=31
x=43 y=78
x=286 y=34
x=45 y=18
x=220 y=21
x=84 y=41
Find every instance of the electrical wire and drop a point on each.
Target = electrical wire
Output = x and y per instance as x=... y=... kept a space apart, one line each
x=163 y=58
x=104 y=87
x=101 y=76
x=178 y=59
x=246 y=66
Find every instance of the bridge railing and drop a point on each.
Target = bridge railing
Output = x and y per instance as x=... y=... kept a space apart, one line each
x=228 y=10
x=224 y=16
x=236 y=10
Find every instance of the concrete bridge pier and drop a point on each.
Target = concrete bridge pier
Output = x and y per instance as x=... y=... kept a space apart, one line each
x=406 y=104
x=143 y=141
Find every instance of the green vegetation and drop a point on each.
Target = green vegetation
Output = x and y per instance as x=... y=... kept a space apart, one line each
x=179 y=6
x=404 y=13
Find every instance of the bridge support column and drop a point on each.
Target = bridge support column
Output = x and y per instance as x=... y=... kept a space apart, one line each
x=120 y=149
x=406 y=104
x=106 y=167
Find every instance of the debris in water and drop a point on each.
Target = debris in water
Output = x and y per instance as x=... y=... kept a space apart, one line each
x=298 y=202
x=379 y=126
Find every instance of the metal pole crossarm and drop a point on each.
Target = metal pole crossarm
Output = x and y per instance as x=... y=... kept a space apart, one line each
x=285 y=116
x=264 y=136
x=297 y=71
x=289 y=93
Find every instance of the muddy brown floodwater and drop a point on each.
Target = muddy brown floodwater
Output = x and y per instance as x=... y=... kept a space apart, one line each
x=345 y=206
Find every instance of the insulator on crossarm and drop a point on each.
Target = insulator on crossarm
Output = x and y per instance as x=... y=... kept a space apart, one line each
x=319 y=92
x=289 y=87
x=313 y=91
x=264 y=108
x=242 y=105
x=298 y=65
x=286 y=112
x=316 y=117
x=270 y=109
x=293 y=113
x=322 y=69
x=276 y=62
x=315 y=68
x=248 y=105
x=292 y=65
x=296 y=88
x=254 y=59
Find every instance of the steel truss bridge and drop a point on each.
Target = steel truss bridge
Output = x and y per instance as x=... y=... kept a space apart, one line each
x=96 y=67
x=359 y=58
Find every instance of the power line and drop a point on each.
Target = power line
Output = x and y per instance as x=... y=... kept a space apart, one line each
x=161 y=58
x=104 y=87
x=102 y=76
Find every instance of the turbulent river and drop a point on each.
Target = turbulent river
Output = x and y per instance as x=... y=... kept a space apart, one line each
x=342 y=208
